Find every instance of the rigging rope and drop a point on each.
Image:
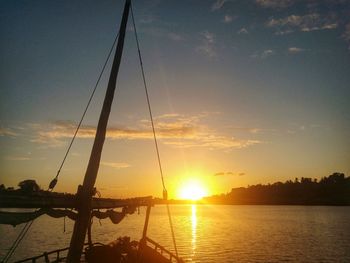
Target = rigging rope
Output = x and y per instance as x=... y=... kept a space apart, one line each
x=17 y=241
x=165 y=193
x=53 y=183
x=148 y=101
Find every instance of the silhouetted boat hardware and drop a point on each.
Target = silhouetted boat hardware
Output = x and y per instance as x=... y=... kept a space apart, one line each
x=83 y=204
x=128 y=207
x=47 y=199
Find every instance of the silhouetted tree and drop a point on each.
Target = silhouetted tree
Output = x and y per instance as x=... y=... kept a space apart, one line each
x=331 y=190
x=29 y=186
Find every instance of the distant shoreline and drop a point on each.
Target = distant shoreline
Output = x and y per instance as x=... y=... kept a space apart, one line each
x=201 y=202
x=332 y=190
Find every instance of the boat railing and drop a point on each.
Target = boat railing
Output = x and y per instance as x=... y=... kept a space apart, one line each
x=48 y=256
x=162 y=250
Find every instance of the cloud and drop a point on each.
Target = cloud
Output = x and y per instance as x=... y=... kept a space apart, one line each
x=160 y=32
x=252 y=130
x=168 y=115
x=295 y=50
x=255 y=130
x=294 y=128
x=7 y=132
x=283 y=32
x=242 y=31
x=17 y=158
x=265 y=54
x=213 y=142
x=228 y=173
x=175 y=36
x=306 y=23
x=207 y=45
x=148 y=19
x=65 y=129
x=276 y=4
x=171 y=129
x=115 y=165
x=218 y=4
x=228 y=19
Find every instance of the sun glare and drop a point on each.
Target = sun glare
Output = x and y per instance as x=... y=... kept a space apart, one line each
x=192 y=190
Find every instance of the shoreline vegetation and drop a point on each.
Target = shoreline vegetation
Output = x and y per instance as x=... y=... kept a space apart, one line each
x=330 y=190
x=333 y=190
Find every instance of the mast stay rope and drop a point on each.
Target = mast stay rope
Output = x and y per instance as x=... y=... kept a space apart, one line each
x=53 y=183
x=165 y=193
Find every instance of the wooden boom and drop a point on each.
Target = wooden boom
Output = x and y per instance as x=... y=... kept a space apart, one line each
x=59 y=200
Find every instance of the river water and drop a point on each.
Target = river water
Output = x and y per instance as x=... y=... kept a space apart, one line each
x=213 y=233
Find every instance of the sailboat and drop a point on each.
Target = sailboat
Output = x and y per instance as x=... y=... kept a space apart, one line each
x=85 y=204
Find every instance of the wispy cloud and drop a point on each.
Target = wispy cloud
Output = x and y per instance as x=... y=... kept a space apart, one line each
x=242 y=31
x=65 y=129
x=276 y=4
x=218 y=4
x=207 y=45
x=115 y=165
x=148 y=19
x=229 y=173
x=295 y=50
x=7 y=132
x=213 y=142
x=160 y=32
x=175 y=36
x=228 y=19
x=294 y=128
x=17 y=158
x=264 y=54
x=305 y=23
x=267 y=53
x=172 y=129
x=252 y=130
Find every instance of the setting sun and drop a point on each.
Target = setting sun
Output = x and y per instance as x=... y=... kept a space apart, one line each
x=192 y=190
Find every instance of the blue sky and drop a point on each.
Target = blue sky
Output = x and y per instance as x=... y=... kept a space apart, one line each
x=243 y=92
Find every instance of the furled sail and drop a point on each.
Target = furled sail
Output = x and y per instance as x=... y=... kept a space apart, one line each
x=16 y=218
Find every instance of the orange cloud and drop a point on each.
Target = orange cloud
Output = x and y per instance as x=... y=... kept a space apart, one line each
x=7 y=132
x=228 y=173
x=17 y=158
x=115 y=165
x=171 y=129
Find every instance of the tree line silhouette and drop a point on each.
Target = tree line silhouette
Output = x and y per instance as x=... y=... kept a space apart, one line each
x=331 y=190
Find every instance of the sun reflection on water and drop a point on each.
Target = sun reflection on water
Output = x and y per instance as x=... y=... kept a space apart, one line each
x=194 y=229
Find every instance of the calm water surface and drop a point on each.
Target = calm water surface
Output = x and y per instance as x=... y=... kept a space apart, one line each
x=214 y=233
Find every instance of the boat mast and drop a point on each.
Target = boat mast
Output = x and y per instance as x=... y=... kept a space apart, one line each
x=85 y=192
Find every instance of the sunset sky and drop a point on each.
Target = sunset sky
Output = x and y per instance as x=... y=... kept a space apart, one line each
x=243 y=92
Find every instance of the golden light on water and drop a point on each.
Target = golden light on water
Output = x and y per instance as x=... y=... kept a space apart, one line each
x=192 y=190
x=194 y=229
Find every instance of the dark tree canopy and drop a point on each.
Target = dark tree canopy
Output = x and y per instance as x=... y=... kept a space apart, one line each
x=29 y=186
x=331 y=190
